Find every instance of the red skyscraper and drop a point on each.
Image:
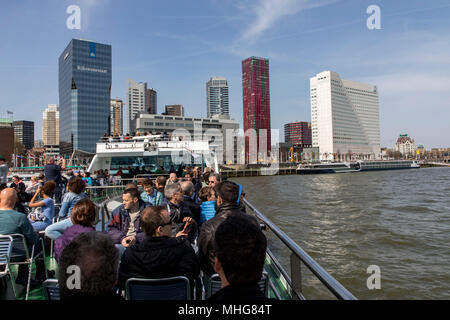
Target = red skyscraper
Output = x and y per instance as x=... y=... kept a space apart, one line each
x=256 y=100
x=298 y=133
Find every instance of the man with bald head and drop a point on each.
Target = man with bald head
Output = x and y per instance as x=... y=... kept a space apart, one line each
x=12 y=222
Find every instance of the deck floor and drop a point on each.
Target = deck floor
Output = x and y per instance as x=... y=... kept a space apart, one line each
x=37 y=293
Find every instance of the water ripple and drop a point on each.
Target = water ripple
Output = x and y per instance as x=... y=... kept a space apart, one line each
x=398 y=220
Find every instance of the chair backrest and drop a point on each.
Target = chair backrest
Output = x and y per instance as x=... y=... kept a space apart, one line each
x=214 y=284
x=175 y=288
x=19 y=249
x=57 y=209
x=264 y=284
x=5 y=249
x=51 y=289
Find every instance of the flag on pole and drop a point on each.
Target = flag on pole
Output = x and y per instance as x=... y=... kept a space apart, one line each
x=9 y=112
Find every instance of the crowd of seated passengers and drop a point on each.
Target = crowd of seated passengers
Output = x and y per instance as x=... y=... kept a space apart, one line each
x=138 y=228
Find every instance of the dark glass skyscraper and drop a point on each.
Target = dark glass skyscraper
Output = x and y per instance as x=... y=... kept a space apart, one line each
x=84 y=94
x=24 y=133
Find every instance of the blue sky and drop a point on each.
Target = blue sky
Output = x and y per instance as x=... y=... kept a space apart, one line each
x=176 y=46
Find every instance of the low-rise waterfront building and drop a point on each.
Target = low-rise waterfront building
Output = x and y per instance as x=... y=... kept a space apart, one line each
x=174 y=110
x=405 y=145
x=7 y=139
x=214 y=129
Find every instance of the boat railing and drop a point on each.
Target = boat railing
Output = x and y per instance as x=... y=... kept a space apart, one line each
x=298 y=257
x=101 y=195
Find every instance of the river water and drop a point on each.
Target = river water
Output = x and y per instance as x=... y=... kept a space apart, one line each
x=397 y=220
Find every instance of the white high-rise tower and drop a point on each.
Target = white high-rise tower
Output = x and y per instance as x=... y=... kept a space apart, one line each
x=50 y=125
x=217 y=97
x=137 y=102
x=345 y=117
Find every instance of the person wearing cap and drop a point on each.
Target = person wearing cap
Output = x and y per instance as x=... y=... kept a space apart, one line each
x=3 y=171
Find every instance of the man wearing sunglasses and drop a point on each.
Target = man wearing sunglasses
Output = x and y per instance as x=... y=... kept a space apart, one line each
x=160 y=255
x=214 y=180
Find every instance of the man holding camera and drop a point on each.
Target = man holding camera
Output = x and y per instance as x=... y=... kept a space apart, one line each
x=52 y=172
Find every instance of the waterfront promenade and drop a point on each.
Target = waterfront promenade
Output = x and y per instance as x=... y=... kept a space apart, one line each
x=288 y=169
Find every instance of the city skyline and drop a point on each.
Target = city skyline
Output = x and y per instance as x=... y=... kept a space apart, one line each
x=300 y=40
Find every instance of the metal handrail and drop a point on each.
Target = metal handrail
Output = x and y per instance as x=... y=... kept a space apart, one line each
x=100 y=202
x=337 y=289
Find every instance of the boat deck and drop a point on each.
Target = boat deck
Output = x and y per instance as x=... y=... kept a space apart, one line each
x=277 y=289
x=36 y=293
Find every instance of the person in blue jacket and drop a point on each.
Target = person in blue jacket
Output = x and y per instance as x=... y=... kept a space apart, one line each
x=207 y=208
x=42 y=219
x=150 y=194
x=87 y=178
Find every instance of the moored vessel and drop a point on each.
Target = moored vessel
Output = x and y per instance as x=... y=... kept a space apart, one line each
x=361 y=165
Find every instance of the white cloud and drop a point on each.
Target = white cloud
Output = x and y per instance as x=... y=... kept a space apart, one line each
x=268 y=12
x=88 y=8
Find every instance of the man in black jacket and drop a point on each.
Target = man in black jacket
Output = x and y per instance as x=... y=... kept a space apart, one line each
x=227 y=196
x=159 y=255
x=188 y=191
x=179 y=212
x=240 y=248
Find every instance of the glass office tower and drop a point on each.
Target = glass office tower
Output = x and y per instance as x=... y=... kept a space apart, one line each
x=84 y=95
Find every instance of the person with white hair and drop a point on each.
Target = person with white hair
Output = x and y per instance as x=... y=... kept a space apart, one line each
x=180 y=214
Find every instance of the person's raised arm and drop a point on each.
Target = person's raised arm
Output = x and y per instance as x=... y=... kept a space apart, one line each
x=34 y=204
x=63 y=165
